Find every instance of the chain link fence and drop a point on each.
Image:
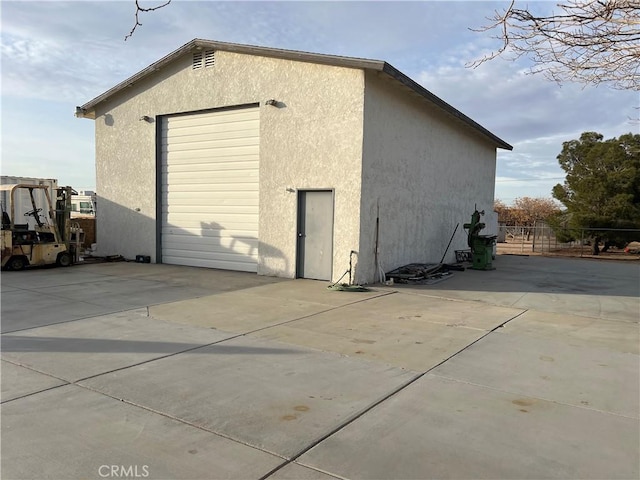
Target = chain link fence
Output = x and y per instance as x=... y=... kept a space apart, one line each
x=541 y=238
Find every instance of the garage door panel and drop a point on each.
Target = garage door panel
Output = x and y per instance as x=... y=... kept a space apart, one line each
x=230 y=222
x=250 y=266
x=246 y=132
x=213 y=198
x=213 y=249
x=248 y=138
x=212 y=210
x=242 y=234
x=215 y=149
x=210 y=182
x=212 y=204
x=200 y=156
x=222 y=131
x=216 y=176
x=228 y=117
x=201 y=165
x=206 y=188
x=212 y=245
x=227 y=257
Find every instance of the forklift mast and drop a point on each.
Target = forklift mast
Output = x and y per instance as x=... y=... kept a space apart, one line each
x=63 y=213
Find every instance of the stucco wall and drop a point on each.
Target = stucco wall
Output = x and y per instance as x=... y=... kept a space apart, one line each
x=313 y=141
x=424 y=171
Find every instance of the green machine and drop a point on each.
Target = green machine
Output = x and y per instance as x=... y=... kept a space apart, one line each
x=481 y=245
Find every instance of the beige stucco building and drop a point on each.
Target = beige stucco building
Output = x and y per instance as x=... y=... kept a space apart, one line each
x=284 y=163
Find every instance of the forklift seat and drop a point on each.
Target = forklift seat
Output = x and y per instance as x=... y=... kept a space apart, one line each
x=6 y=221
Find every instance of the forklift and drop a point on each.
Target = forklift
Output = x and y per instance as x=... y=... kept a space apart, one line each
x=43 y=238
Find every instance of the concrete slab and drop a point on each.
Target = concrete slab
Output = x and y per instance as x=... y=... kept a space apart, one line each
x=238 y=312
x=580 y=287
x=124 y=292
x=45 y=296
x=76 y=350
x=552 y=369
x=6 y=288
x=19 y=381
x=439 y=428
x=618 y=336
x=49 y=277
x=177 y=275
x=293 y=471
x=72 y=433
x=406 y=331
x=260 y=307
x=315 y=291
x=276 y=397
x=22 y=309
x=276 y=390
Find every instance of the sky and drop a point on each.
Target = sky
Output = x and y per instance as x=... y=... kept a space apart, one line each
x=56 y=55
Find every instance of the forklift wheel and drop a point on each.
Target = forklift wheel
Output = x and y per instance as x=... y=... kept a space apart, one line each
x=64 y=259
x=17 y=263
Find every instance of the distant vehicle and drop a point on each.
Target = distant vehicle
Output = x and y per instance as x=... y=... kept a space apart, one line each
x=632 y=247
x=82 y=206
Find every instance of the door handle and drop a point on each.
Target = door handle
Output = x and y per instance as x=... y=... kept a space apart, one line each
x=301 y=235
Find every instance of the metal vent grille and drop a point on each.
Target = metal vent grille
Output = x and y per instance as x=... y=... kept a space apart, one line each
x=209 y=58
x=202 y=59
x=197 y=60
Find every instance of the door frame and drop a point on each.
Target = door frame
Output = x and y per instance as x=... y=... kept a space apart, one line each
x=299 y=213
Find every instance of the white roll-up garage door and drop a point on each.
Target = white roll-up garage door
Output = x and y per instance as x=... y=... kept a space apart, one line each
x=210 y=189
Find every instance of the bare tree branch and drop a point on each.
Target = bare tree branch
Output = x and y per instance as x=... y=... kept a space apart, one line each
x=589 y=41
x=140 y=10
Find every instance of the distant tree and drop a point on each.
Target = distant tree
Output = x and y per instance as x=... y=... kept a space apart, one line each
x=602 y=185
x=526 y=212
x=532 y=210
x=504 y=212
x=586 y=41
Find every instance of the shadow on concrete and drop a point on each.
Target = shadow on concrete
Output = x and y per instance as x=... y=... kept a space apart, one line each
x=546 y=275
x=26 y=344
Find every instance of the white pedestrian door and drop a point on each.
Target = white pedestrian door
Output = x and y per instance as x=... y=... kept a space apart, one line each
x=210 y=186
x=315 y=234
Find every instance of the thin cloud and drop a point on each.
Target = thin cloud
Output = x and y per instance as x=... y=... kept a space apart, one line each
x=56 y=55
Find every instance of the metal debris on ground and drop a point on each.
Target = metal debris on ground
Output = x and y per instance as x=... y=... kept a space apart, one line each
x=423 y=273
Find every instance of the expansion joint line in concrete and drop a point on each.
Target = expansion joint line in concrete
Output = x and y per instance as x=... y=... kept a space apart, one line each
x=66 y=382
x=76 y=382
x=88 y=317
x=440 y=297
x=394 y=392
x=317 y=313
x=179 y=420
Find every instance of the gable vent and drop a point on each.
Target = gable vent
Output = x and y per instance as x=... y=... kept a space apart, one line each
x=202 y=59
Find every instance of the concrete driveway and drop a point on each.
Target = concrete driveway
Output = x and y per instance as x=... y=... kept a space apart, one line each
x=125 y=370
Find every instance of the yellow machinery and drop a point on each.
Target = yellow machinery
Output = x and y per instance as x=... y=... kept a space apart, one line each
x=37 y=237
